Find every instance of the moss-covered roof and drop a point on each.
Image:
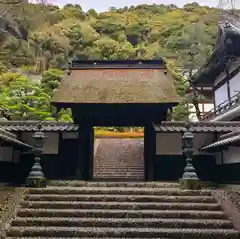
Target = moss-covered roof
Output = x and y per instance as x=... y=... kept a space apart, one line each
x=116 y=83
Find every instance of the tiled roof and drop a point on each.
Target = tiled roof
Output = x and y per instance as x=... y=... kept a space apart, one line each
x=203 y=126
x=221 y=143
x=16 y=126
x=11 y=138
x=179 y=126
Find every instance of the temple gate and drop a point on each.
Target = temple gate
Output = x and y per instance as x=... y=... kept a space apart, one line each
x=116 y=93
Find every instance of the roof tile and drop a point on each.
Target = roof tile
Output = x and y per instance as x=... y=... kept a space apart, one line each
x=202 y=126
x=221 y=143
x=167 y=126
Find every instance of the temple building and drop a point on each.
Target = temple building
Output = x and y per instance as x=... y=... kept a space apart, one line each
x=221 y=73
x=127 y=94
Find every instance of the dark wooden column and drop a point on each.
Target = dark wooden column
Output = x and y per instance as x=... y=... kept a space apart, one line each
x=149 y=152
x=85 y=152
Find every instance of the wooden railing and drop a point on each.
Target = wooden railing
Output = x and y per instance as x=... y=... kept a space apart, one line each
x=223 y=107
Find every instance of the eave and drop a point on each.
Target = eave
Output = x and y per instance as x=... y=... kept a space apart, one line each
x=227 y=48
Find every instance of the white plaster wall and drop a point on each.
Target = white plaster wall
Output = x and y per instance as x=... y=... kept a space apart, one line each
x=168 y=144
x=70 y=135
x=221 y=94
x=6 y=154
x=171 y=143
x=234 y=85
x=50 y=142
x=232 y=155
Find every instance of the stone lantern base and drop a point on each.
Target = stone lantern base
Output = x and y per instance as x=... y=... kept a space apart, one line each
x=33 y=182
x=190 y=184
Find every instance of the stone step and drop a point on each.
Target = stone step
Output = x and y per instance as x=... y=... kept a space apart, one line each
x=116 y=166
x=99 y=213
x=119 y=190
x=122 y=232
x=114 y=161
x=76 y=183
x=119 y=173
x=114 y=175
x=98 y=178
x=120 y=161
x=120 y=198
x=125 y=169
x=77 y=238
x=120 y=169
x=123 y=222
x=130 y=178
x=120 y=205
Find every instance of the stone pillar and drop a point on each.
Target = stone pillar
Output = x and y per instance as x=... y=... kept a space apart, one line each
x=36 y=177
x=85 y=152
x=149 y=152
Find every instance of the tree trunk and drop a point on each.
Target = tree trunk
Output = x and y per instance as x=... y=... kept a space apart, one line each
x=195 y=103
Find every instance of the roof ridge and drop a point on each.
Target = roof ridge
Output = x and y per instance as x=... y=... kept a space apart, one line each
x=33 y=122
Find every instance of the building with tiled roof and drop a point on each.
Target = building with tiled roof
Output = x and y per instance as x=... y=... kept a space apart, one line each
x=62 y=140
x=221 y=73
x=93 y=90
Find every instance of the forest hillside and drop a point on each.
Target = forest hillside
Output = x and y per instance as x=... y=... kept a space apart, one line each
x=31 y=68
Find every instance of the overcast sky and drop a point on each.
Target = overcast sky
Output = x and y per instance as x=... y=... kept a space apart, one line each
x=102 y=5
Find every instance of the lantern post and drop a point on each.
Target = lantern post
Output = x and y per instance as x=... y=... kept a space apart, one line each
x=36 y=177
x=189 y=179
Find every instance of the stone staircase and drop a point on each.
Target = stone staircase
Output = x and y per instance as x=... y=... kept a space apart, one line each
x=119 y=210
x=118 y=159
x=235 y=196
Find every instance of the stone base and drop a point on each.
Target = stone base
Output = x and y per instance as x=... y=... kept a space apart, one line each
x=190 y=184
x=36 y=182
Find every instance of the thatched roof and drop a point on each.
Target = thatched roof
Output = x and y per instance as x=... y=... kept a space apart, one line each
x=116 y=85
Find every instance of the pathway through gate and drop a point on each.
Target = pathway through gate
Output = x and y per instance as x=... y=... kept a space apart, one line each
x=119 y=159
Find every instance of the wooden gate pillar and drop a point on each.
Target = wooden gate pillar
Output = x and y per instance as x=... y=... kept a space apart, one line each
x=85 y=152
x=149 y=152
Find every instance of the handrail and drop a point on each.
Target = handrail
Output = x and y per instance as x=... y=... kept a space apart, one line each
x=223 y=107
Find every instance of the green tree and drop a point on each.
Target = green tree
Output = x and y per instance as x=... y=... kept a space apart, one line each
x=49 y=83
x=56 y=35
x=189 y=49
x=73 y=11
x=51 y=80
x=91 y=12
x=24 y=100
